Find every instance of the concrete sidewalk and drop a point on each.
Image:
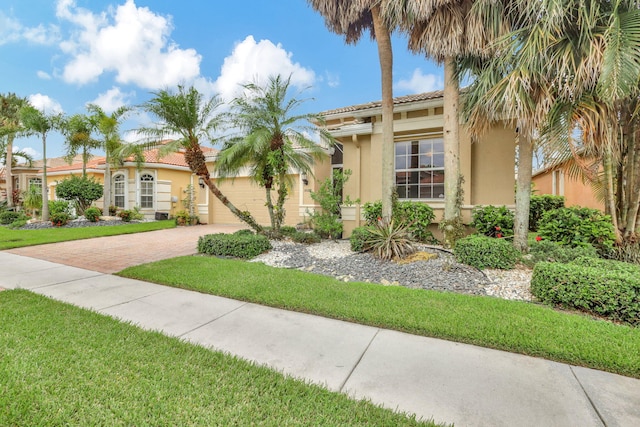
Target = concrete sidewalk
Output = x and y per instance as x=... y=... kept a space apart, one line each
x=450 y=382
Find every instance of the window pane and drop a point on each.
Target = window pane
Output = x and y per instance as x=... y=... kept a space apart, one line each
x=438 y=160
x=425 y=192
x=437 y=145
x=402 y=191
x=413 y=192
x=438 y=191
x=401 y=162
x=402 y=178
x=401 y=148
x=419 y=169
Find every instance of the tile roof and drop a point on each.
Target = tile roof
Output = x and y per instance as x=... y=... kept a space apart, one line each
x=378 y=104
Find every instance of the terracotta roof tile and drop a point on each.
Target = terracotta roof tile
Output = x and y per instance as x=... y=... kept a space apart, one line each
x=378 y=104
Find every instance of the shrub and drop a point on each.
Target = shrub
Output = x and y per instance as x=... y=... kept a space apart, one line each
x=485 y=252
x=244 y=232
x=540 y=204
x=8 y=217
x=233 y=245
x=603 y=287
x=547 y=251
x=126 y=215
x=358 y=238
x=493 y=221
x=307 y=238
x=81 y=190
x=388 y=240
x=18 y=223
x=58 y=206
x=113 y=210
x=92 y=214
x=327 y=225
x=627 y=251
x=328 y=221
x=288 y=230
x=417 y=215
x=182 y=218
x=576 y=226
x=59 y=218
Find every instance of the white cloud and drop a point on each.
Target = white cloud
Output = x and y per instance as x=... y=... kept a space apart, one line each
x=133 y=42
x=45 y=103
x=28 y=150
x=419 y=83
x=43 y=75
x=254 y=62
x=12 y=31
x=333 y=80
x=112 y=99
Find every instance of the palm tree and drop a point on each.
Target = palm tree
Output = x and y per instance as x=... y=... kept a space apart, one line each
x=272 y=141
x=78 y=130
x=10 y=105
x=351 y=18
x=37 y=122
x=445 y=30
x=108 y=125
x=192 y=118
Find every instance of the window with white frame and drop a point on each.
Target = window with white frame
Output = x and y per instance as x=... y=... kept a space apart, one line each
x=118 y=191
x=419 y=168
x=35 y=182
x=146 y=191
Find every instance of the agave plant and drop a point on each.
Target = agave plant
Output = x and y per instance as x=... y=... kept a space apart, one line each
x=388 y=239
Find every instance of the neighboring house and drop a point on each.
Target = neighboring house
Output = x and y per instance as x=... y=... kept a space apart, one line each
x=487 y=165
x=158 y=185
x=555 y=180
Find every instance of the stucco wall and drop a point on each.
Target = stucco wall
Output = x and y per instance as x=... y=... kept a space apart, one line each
x=575 y=192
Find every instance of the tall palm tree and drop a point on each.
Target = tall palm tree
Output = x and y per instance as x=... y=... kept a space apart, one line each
x=445 y=30
x=37 y=122
x=108 y=126
x=271 y=141
x=10 y=105
x=350 y=18
x=187 y=114
x=78 y=131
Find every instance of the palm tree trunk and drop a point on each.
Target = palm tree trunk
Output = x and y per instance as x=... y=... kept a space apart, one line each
x=451 y=141
x=243 y=216
x=45 y=187
x=106 y=193
x=607 y=165
x=385 y=55
x=267 y=191
x=633 y=179
x=282 y=198
x=8 y=166
x=523 y=191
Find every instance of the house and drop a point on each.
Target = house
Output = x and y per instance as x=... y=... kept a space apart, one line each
x=159 y=184
x=556 y=180
x=487 y=164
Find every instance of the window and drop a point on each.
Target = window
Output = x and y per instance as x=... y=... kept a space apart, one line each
x=146 y=191
x=118 y=191
x=35 y=182
x=420 y=169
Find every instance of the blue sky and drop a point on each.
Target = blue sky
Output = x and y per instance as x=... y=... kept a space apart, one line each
x=63 y=54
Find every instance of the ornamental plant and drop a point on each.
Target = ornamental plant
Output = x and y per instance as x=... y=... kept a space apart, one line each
x=233 y=245
x=576 y=226
x=82 y=191
x=59 y=219
x=92 y=214
x=540 y=204
x=486 y=252
x=389 y=239
x=418 y=216
x=493 y=221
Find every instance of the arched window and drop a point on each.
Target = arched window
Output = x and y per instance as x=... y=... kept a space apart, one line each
x=35 y=182
x=118 y=191
x=146 y=191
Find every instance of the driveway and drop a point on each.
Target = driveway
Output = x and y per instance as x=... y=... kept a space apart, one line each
x=114 y=253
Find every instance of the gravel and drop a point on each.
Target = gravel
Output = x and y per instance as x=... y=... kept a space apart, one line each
x=442 y=273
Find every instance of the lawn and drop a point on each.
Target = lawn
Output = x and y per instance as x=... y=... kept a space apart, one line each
x=513 y=326
x=62 y=365
x=10 y=238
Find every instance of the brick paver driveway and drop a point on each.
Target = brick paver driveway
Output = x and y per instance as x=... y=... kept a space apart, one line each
x=114 y=253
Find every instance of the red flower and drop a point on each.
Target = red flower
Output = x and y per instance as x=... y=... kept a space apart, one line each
x=538 y=238
x=498 y=228
x=499 y=235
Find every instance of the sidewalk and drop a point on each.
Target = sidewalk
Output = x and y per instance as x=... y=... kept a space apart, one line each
x=450 y=382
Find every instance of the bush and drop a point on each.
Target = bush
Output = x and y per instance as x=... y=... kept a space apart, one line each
x=233 y=245
x=18 y=223
x=327 y=225
x=288 y=230
x=388 y=240
x=59 y=218
x=244 y=232
x=627 y=251
x=328 y=221
x=485 y=252
x=603 y=287
x=547 y=251
x=306 y=238
x=417 y=215
x=8 y=217
x=92 y=214
x=493 y=221
x=126 y=215
x=113 y=210
x=58 y=206
x=576 y=226
x=540 y=204
x=358 y=238
x=82 y=190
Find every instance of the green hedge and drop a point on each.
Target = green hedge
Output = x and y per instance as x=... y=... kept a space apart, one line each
x=547 y=251
x=540 y=204
x=8 y=217
x=418 y=214
x=233 y=245
x=576 y=226
x=358 y=238
x=603 y=287
x=486 y=252
x=493 y=221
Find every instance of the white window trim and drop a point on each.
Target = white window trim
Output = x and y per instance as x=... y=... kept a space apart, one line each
x=139 y=189
x=408 y=199
x=112 y=196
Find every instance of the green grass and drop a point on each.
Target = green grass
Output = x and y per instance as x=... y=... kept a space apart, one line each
x=513 y=326
x=61 y=365
x=10 y=239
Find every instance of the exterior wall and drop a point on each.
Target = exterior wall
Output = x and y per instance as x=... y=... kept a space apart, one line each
x=55 y=177
x=575 y=192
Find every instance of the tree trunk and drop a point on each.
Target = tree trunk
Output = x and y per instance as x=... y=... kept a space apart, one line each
x=106 y=193
x=45 y=187
x=451 y=141
x=272 y=218
x=243 y=216
x=633 y=179
x=607 y=165
x=523 y=191
x=282 y=198
x=385 y=55
x=7 y=169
